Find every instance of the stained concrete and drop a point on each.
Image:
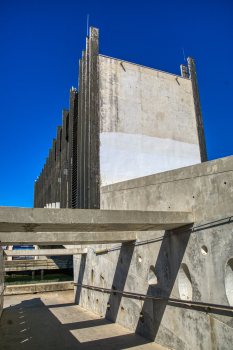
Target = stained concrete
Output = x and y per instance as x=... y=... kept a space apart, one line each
x=187 y=264
x=51 y=321
x=45 y=252
x=70 y=220
x=147 y=120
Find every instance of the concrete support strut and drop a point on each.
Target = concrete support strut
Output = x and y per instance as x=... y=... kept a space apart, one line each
x=45 y=252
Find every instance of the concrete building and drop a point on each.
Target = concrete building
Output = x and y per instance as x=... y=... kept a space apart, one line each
x=132 y=145
x=126 y=121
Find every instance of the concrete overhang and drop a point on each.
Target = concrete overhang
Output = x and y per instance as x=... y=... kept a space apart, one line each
x=14 y=219
x=45 y=252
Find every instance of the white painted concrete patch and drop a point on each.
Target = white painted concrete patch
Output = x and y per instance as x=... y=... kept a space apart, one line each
x=127 y=156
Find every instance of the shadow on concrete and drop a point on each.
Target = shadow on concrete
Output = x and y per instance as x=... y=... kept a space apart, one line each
x=166 y=268
x=80 y=278
x=121 y=273
x=32 y=325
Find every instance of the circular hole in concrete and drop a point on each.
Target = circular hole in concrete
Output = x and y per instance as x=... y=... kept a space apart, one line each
x=229 y=281
x=152 y=278
x=204 y=250
x=185 y=283
x=141 y=317
x=122 y=311
x=193 y=197
x=97 y=302
x=139 y=258
x=225 y=183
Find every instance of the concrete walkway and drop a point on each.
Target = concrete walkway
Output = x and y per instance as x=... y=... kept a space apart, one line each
x=51 y=321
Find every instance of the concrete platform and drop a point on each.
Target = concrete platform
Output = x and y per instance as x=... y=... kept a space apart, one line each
x=51 y=321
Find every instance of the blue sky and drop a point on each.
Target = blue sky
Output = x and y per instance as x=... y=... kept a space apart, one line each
x=42 y=41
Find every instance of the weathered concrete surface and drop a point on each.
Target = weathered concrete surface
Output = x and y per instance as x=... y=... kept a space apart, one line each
x=45 y=252
x=147 y=121
x=38 y=288
x=187 y=265
x=79 y=220
x=51 y=321
x=197 y=105
x=40 y=264
x=2 y=274
x=67 y=238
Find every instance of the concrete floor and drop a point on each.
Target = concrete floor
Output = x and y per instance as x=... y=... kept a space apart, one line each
x=51 y=321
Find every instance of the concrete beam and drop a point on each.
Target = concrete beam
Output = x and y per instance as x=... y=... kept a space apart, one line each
x=45 y=252
x=14 y=219
x=65 y=238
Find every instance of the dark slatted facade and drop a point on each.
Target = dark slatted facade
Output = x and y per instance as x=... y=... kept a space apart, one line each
x=70 y=177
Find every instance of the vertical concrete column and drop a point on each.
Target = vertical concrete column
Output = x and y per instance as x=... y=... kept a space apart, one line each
x=53 y=173
x=197 y=106
x=80 y=88
x=40 y=195
x=36 y=247
x=83 y=131
x=10 y=247
x=49 y=178
x=35 y=200
x=46 y=182
x=184 y=71
x=73 y=95
x=94 y=185
x=64 y=173
x=43 y=201
x=74 y=153
x=58 y=168
x=87 y=133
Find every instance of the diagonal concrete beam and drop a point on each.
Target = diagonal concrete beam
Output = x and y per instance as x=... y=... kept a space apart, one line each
x=45 y=252
x=81 y=220
x=63 y=238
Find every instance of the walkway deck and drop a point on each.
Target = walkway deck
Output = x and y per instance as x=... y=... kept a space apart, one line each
x=51 y=321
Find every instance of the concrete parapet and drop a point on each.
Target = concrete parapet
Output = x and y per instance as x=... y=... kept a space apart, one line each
x=38 y=288
x=187 y=264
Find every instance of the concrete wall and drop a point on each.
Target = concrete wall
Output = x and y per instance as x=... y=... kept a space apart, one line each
x=147 y=121
x=195 y=265
x=2 y=274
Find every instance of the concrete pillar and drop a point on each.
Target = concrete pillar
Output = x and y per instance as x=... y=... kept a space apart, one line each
x=58 y=168
x=184 y=71
x=94 y=185
x=87 y=132
x=10 y=248
x=80 y=87
x=36 y=247
x=197 y=106
x=72 y=152
x=64 y=155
